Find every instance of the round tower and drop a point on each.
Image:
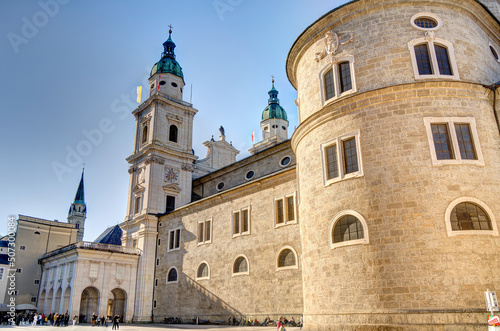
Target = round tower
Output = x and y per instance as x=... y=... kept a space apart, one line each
x=398 y=143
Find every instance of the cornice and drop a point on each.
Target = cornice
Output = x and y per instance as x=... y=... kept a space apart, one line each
x=374 y=97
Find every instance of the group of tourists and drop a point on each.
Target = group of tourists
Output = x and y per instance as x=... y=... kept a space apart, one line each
x=101 y=320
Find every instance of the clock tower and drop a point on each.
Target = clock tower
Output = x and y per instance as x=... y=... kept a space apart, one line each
x=161 y=167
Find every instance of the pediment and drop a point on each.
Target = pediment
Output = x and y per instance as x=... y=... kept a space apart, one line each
x=173 y=187
x=138 y=188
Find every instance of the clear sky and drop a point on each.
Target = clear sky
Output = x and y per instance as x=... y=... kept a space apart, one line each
x=68 y=67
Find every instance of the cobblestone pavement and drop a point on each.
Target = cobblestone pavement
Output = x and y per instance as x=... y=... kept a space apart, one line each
x=148 y=327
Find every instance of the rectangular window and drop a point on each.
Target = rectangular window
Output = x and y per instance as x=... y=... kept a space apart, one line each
x=137 y=205
x=442 y=142
x=423 y=61
x=19 y=270
x=465 y=142
x=453 y=140
x=342 y=158
x=285 y=210
x=134 y=243
x=170 y=203
x=443 y=60
x=33 y=299
x=205 y=231
x=280 y=217
x=174 y=241
x=345 y=76
x=241 y=222
x=36 y=282
x=22 y=247
x=329 y=86
x=332 y=161
x=1 y=273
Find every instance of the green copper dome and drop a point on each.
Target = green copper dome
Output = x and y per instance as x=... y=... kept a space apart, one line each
x=168 y=64
x=273 y=109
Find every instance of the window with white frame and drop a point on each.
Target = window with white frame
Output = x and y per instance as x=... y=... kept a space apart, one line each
x=453 y=140
x=241 y=222
x=205 y=231
x=287 y=259
x=348 y=228
x=203 y=271
x=433 y=58
x=174 y=239
x=240 y=266
x=284 y=210
x=337 y=79
x=469 y=216
x=342 y=158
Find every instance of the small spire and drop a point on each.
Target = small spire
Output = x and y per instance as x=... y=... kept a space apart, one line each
x=80 y=196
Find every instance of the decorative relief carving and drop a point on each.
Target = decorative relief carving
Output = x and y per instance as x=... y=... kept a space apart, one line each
x=429 y=35
x=132 y=169
x=187 y=167
x=141 y=179
x=92 y=279
x=146 y=118
x=332 y=43
x=154 y=159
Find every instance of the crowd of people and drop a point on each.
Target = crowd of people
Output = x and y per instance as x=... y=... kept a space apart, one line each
x=281 y=323
x=62 y=320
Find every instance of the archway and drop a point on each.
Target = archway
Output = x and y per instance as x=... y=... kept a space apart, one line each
x=117 y=303
x=57 y=301
x=41 y=302
x=48 y=303
x=66 y=298
x=89 y=303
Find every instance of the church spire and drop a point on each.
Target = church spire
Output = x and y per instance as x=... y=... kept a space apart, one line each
x=80 y=196
x=78 y=210
x=169 y=45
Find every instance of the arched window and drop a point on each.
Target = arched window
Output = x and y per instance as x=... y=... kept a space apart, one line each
x=337 y=80
x=240 y=266
x=203 y=271
x=172 y=134
x=348 y=228
x=287 y=259
x=145 y=134
x=172 y=275
x=433 y=58
x=466 y=216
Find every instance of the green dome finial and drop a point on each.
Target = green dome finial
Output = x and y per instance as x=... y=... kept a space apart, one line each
x=168 y=64
x=273 y=109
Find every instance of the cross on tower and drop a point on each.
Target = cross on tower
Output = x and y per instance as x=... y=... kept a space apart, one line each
x=170 y=26
x=272 y=76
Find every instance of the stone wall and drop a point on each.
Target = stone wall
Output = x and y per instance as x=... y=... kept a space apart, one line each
x=264 y=290
x=412 y=271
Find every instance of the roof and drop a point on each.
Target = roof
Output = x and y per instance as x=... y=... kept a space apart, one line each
x=111 y=236
x=80 y=196
x=45 y=222
x=273 y=109
x=167 y=63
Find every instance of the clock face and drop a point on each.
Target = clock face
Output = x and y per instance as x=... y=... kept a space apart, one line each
x=170 y=175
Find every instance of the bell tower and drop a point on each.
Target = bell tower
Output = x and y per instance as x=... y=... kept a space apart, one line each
x=78 y=211
x=161 y=167
x=274 y=123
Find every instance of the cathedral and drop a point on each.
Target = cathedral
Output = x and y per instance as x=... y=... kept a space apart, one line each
x=379 y=212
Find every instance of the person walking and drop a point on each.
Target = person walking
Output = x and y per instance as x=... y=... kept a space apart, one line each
x=116 y=321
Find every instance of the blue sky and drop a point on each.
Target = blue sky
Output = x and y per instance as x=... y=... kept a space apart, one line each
x=70 y=68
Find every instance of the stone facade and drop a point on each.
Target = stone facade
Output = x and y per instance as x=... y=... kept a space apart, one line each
x=35 y=237
x=265 y=289
x=87 y=278
x=412 y=269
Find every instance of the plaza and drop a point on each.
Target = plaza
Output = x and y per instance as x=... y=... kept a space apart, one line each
x=149 y=327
